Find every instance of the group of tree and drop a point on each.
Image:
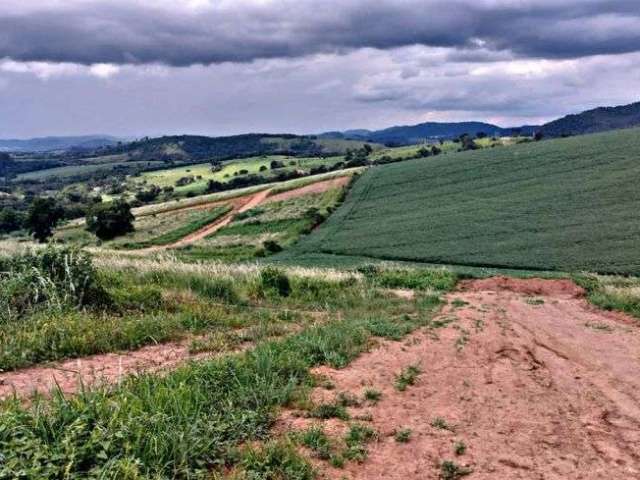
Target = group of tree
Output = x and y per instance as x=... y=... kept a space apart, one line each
x=358 y=157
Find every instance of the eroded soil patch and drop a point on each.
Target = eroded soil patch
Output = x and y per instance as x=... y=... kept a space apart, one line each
x=533 y=381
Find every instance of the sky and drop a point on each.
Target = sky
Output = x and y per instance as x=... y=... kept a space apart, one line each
x=220 y=67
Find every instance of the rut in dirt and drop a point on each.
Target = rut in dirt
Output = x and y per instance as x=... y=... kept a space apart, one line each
x=530 y=378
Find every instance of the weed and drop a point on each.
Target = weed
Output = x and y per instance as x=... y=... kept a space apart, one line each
x=458 y=303
x=330 y=410
x=347 y=399
x=459 y=448
x=451 y=471
x=441 y=424
x=276 y=460
x=276 y=281
x=356 y=439
x=318 y=441
x=407 y=377
x=603 y=327
x=534 y=301
x=372 y=395
x=403 y=436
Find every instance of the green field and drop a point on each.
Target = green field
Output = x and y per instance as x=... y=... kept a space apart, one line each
x=85 y=169
x=202 y=172
x=569 y=204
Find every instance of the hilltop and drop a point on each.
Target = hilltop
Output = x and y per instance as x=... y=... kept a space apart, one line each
x=592 y=121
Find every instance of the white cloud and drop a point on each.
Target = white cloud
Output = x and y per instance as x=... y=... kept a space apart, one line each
x=47 y=70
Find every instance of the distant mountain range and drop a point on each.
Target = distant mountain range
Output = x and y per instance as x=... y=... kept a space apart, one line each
x=50 y=144
x=412 y=134
x=592 y=121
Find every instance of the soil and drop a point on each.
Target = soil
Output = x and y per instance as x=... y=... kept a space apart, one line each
x=318 y=187
x=252 y=202
x=96 y=369
x=537 y=383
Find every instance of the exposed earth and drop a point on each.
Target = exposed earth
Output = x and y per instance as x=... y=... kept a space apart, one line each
x=536 y=383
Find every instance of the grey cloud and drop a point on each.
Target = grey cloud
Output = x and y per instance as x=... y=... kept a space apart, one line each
x=132 y=33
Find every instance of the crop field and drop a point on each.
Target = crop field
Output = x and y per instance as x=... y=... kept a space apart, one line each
x=203 y=172
x=85 y=169
x=569 y=204
x=280 y=223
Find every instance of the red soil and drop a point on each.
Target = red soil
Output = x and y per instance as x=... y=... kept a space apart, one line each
x=96 y=369
x=535 y=390
x=318 y=187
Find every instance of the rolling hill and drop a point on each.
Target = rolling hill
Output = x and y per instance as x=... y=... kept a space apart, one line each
x=414 y=134
x=593 y=121
x=566 y=204
x=49 y=144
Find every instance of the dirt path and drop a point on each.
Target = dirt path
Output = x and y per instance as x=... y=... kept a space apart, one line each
x=210 y=229
x=318 y=187
x=537 y=383
x=107 y=368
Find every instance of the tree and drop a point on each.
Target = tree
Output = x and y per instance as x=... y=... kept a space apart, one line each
x=42 y=217
x=110 y=220
x=10 y=220
x=538 y=136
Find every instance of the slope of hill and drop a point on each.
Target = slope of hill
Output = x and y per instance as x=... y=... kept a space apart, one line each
x=413 y=134
x=592 y=121
x=567 y=204
x=194 y=148
x=48 y=144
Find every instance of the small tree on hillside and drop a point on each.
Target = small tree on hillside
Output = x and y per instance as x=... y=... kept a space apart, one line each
x=110 y=220
x=42 y=217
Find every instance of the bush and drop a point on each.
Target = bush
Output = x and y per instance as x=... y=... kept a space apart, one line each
x=275 y=280
x=55 y=278
x=271 y=246
x=110 y=220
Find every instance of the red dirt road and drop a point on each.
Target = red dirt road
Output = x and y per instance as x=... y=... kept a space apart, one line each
x=537 y=384
x=108 y=369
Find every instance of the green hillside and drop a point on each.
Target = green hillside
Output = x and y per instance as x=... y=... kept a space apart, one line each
x=569 y=204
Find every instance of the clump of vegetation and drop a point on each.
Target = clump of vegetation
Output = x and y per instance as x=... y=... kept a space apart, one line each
x=372 y=395
x=54 y=279
x=325 y=411
x=612 y=292
x=450 y=470
x=356 y=439
x=415 y=279
x=441 y=424
x=275 y=460
x=403 y=435
x=275 y=281
x=459 y=448
x=110 y=220
x=407 y=377
x=318 y=441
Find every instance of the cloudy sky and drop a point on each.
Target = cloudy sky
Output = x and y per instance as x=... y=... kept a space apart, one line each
x=215 y=67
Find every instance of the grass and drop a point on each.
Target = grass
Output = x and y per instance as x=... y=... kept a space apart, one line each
x=407 y=377
x=403 y=435
x=450 y=470
x=179 y=233
x=612 y=292
x=372 y=395
x=565 y=205
x=190 y=421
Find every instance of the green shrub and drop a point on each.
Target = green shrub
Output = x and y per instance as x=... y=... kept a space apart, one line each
x=55 y=278
x=274 y=280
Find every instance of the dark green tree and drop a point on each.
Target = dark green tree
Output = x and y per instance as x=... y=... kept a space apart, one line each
x=10 y=220
x=42 y=217
x=110 y=220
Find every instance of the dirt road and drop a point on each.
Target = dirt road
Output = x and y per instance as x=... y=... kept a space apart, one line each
x=210 y=229
x=535 y=382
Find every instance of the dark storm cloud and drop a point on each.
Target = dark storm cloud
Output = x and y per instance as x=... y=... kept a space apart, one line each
x=138 y=32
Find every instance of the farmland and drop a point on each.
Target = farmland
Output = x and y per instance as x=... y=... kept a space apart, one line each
x=568 y=205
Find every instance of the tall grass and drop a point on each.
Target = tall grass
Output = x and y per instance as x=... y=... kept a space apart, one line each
x=181 y=425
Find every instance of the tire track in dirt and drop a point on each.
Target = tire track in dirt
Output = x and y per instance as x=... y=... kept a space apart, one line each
x=536 y=382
